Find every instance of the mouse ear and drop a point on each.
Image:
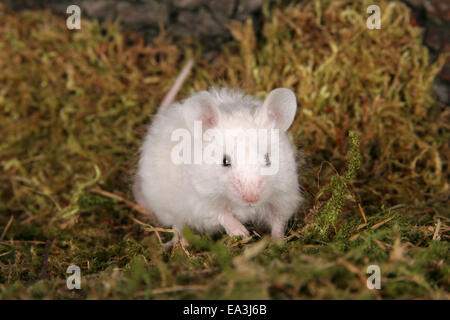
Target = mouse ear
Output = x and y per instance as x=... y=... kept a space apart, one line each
x=278 y=110
x=201 y=107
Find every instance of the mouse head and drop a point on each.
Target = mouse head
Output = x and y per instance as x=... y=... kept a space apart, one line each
x=243 y=148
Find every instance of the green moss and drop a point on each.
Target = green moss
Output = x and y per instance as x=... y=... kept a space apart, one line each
x=339 y=190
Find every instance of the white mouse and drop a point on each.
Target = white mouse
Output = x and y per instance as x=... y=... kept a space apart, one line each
x=260 y=187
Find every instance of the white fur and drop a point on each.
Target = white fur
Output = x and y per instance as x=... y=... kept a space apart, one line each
x=197 y=195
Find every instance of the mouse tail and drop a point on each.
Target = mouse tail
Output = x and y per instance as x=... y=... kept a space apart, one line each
x=170 y=96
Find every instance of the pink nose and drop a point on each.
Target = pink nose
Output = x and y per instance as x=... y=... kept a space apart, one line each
x=249 y=191
x=250 y=198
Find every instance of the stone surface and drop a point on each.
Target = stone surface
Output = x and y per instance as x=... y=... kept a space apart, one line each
x=202 y=20
x=434 y=17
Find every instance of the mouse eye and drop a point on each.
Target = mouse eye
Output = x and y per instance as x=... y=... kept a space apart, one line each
x=226 y=161
x=267 y=159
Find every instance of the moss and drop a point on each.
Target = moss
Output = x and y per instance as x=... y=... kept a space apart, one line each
x=338 y=186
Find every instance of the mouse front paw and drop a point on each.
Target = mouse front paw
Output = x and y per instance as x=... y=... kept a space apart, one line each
x=233 y=227
x=238 y=231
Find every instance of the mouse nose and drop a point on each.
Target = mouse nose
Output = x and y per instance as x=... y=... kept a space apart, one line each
x=250 y=191
x=250 y=198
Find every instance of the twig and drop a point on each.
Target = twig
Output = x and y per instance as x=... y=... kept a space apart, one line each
x=27 y=220
x=183 y=247
x=362 y=213
x=129 y=203
x=288 y=290
x=178 y=288
x=379 y=224
x=256 y=234
x=293 y=234
x=436 y=231
x=11 y=219
x=397 y=206
x=20 y=241
x=242 y=241
x=148 y=226
x=355 y=236
x=139 y=209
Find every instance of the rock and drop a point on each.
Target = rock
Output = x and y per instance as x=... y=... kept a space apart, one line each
x=222 y=10
x=187 y=25
x=201 y=20
x=187 y=4
x=439 y=8
x=442 y=92
x=434 y=17
x=139 y=16
x=99 y=9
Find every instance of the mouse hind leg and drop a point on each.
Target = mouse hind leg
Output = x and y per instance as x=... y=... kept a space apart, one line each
x=177 y=237
x=277 y=223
